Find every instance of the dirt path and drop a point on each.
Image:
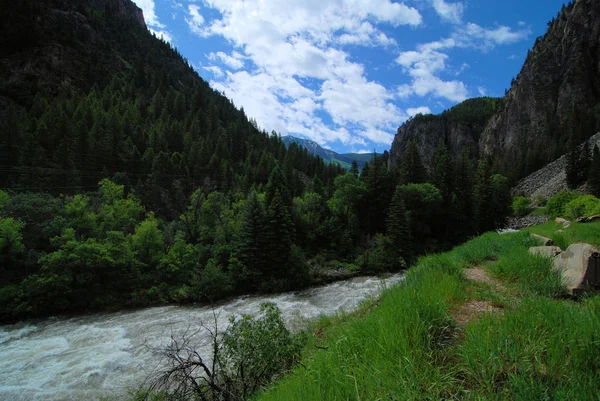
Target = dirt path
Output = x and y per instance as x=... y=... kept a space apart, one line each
x=473 y=310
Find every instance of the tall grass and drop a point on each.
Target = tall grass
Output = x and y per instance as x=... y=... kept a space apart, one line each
x=544 y=350
x=408 y=347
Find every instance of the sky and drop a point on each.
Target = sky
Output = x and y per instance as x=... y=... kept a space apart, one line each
x=348 y=73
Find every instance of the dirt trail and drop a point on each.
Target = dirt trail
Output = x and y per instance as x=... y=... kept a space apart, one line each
x=473 y=310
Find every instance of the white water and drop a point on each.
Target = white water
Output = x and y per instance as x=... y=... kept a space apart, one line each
x=108 y=354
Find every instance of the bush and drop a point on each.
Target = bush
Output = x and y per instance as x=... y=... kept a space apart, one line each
x=556 y=204
x=540 y=201
x=521 y=206
x=247 y=356
x=584 y=206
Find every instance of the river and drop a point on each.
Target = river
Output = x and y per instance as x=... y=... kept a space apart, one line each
x=92 y=356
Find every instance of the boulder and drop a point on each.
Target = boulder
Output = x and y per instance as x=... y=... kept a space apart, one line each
x=561 y=220
x=545 y=241
x=580 y=267
x=549 y=251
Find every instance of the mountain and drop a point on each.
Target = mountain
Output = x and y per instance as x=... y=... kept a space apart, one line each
x=87 y=92
x=345 y=160
x=554 y=101
x=459 y=127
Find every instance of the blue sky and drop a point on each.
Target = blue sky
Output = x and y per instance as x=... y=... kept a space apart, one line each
x=347 y=73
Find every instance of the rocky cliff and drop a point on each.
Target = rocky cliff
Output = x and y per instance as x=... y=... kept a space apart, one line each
x=459 y=127
x=557 y=89
x=49 y=45
x=561 y=74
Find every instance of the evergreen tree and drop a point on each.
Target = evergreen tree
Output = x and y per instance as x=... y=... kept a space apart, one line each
x=250 y=241
x=412 y=169
x=398 y=228
x=277 y=184
x=277 y=243
x=354 y=168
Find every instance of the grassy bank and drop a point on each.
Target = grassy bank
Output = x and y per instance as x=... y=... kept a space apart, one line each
x=415 y=343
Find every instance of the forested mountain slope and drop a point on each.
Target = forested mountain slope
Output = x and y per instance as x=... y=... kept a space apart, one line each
x=459 y=127
x=552 y=104
x=127 y=181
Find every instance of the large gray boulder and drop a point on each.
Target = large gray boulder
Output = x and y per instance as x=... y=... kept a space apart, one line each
x=580 y=267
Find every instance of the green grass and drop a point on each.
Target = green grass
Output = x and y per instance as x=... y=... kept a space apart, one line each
x=576 y=232
x=406 y=346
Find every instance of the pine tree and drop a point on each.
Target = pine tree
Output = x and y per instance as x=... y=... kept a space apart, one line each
x=354 y=168
x=250 y=241
x=277 y=184
x=277 y=243
x=412 y=169
x=398 y=228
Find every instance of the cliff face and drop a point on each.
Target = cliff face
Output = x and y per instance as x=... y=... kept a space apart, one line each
x=48 y=45
x=460 y=128
x=561 y=73
x=532 y=125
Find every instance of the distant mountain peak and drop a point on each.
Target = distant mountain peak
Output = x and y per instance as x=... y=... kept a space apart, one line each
x=345 y=160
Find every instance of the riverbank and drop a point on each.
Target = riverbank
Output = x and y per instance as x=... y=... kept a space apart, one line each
x=109 y=354
x=484 y=321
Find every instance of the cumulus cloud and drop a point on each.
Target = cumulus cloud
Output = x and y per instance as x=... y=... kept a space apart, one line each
x=161 y=34
x=297 y=74
x=234 y=61
x=450 y=12
x=195 y=20
x=428 y=62
x=418 y=110
x=147 y=7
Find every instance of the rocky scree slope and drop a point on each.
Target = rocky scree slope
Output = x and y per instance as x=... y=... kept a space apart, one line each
x=551 y=179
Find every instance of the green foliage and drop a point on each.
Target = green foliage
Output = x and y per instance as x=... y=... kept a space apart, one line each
x=258 y=351
x=536 y=351
x=4 y=197
x=212 y=282
x=398 y=228
x=521 y=206
x=11 y=237
x=147 y=241
x=556 y=204
x=380 y=256
x=583 y=206
x=412 y=169
x=540 y=201
x=349 y=190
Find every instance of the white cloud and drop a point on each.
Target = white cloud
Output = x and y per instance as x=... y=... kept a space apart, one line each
x=428 y=62
x=481 y=90
x=473 y=35
x=233 y=61
x=195 y=20
x=216 y=71
x=293 y=73
x=451 y=12
x=147 y=7
x=418 y=110
x=162 y=35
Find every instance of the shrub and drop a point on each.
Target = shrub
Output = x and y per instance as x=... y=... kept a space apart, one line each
x=556 y=204
x=583 y=206
x=521 y=206
x=540 y=201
